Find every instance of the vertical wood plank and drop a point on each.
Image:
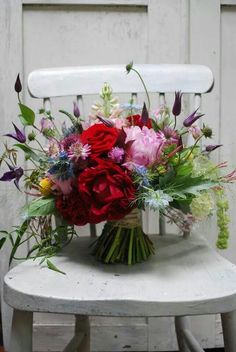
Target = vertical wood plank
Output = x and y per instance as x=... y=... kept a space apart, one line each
x=10 y=66
x=204 y=39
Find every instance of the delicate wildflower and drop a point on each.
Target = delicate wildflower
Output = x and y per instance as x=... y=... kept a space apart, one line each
x=61 y=167
x=69 y=140
x=18 y=135
x=157 y=200
x=192 y=118
x=142 y=173
x=15 y=174
x=168 y=136
x=176 y=110
x=195 y=131
x=116 y=154
x=45 y=186
x=46 y=124
x=78 y=151
x=204 y=167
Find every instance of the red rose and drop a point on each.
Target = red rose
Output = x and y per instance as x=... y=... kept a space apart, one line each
x=72 y=208
x=136 y=120
x=107 y=190
x=100 y=137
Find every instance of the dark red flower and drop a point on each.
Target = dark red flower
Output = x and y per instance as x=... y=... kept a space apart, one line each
x=72 y=208
x=107 y=190
x=136 y=120
x=101 y=138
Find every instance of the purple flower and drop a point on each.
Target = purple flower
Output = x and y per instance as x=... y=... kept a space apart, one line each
x=144 y=115
x=192 y=118
x=76 y=110
x=116 y=154
x=176 y=110
x=211 y=147
x=15 y=174
x=18 y=86
x=18 y=135
x=46 y=124
x=107 y=122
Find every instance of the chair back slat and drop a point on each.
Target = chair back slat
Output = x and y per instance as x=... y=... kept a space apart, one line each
x=82 y=80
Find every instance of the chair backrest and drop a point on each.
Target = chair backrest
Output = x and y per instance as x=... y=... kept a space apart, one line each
x=83 y=80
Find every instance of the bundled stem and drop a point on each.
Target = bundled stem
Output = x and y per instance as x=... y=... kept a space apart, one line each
x=123 y=241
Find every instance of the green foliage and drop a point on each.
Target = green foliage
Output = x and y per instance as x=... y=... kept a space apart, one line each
x=29 y=153
x=27 y=116
x=40 y=207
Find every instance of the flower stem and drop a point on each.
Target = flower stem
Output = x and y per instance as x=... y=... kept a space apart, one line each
x=144 y=85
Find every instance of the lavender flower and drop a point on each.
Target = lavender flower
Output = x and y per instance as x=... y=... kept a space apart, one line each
x=192 y=118
x=176 y=110
x=18 y=135
x=15 y=174
x=211 y=147
x=116 y=154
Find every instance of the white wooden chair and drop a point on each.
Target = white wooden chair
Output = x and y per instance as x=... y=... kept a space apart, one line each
x=185 y=277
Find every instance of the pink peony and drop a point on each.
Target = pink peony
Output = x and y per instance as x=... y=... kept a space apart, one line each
x=145 y=149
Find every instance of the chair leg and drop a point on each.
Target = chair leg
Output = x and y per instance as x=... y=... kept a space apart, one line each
x=21 y=332
x=82 y=327
x=181 y=323
x=229 y=330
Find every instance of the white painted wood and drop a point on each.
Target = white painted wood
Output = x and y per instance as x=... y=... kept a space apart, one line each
x=181 y=324
x=21 y=332
x=191 y=341
x=95 y=289
x=229 y=328
x=88 y=2
x=89 y=80
x=11 y=52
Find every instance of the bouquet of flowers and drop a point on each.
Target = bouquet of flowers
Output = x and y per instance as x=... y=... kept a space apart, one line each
x=109 y=167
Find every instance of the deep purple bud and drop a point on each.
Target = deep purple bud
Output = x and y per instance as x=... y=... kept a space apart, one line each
x=144 y=115
x=18 y=135
x=176 y=110
x=192 y=118
x=211 y=147
x=76 y=110
x=107 y=122
x=18 y=86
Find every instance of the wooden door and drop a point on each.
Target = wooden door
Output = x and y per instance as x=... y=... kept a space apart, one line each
x=46 y=33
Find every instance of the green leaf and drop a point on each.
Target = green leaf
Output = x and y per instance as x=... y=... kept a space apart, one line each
x=28 y=151
x=53 y=267
x=2 y=241
x=40 y=207
x=200 y=187
x=27 y=116
x=20 y=232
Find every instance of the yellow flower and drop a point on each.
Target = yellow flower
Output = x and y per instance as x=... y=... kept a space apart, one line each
x=45 y=186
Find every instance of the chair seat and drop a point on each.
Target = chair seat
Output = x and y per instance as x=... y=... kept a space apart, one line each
x=185 y=277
